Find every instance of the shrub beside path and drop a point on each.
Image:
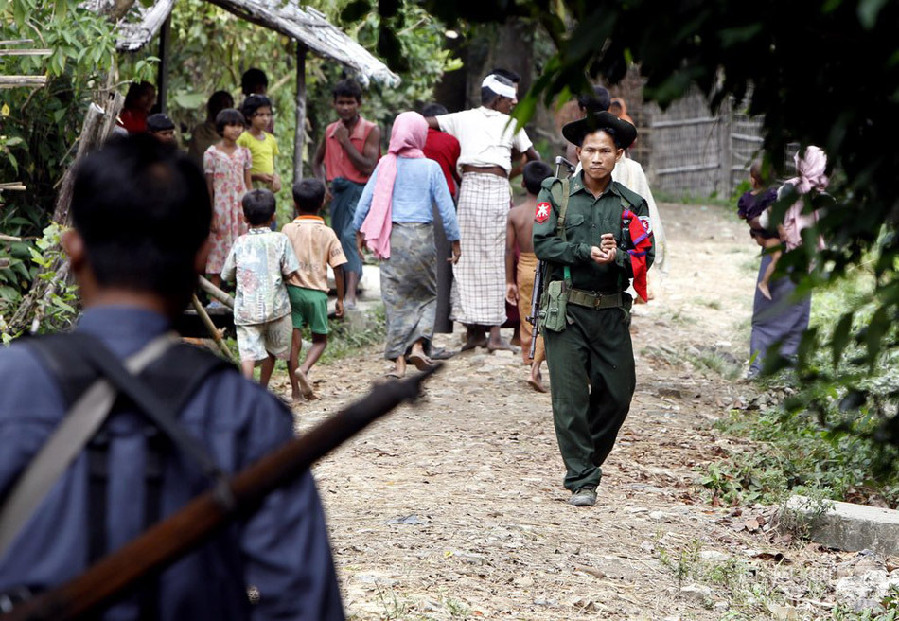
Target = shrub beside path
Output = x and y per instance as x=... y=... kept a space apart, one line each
x=454 y=509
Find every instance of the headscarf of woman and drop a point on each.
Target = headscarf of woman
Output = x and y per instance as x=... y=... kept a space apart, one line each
x=810 y=164
x=410 y=131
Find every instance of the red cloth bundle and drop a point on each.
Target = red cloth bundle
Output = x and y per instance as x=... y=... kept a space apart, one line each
x=640 y=231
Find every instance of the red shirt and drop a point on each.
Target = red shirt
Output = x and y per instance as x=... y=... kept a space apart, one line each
x=337 y=162
x=134 y=121
x=443 y=149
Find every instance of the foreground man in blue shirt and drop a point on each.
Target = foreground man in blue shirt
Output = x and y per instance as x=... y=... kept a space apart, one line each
x=142 y=215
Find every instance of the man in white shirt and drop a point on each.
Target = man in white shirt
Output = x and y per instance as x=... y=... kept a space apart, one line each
x=490 y=142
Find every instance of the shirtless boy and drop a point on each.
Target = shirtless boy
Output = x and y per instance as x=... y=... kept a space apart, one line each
x=519 y=231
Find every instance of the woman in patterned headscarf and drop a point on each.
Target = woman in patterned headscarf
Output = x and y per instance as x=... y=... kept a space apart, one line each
x=778 y=318
x=394 y=219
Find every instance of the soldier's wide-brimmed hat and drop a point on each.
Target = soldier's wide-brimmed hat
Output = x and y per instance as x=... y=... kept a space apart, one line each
x=575 y=131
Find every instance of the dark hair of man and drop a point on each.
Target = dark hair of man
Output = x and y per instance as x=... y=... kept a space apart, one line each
x=143 y=212
x=228 y=116
x=217 y=102
x=252 y=78
x=488 y=96
x=507 y=74
x=533 y=175
x=434 y=109
x=258 y=206
x=347 y=88
x=599 y=102
x=611 y=133
x=136 y=90
x=308 y=195
x=252 y=103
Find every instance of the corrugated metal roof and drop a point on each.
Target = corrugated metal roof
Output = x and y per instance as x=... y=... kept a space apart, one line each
x=304 y=24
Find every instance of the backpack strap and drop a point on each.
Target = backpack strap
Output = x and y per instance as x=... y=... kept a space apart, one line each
x=80 y=424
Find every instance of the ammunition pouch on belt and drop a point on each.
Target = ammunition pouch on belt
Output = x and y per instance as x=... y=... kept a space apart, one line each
x=554 y=307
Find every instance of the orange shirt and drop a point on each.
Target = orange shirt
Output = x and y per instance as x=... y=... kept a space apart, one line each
x=316 y=246
x=337 y=162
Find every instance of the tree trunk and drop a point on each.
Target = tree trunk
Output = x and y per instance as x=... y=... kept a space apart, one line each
x=97 y=127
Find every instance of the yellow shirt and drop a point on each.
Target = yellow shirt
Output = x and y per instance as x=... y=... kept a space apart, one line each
x=263 y=151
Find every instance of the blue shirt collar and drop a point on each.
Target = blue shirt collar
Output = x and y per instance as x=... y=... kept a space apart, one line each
x=124 y=329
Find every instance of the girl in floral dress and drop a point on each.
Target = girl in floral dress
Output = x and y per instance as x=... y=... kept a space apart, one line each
x=227 y=169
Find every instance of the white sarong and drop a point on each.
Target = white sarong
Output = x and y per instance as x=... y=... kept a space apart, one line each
x=479 y=278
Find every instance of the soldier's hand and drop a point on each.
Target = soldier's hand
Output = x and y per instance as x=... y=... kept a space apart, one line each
x=601 y=256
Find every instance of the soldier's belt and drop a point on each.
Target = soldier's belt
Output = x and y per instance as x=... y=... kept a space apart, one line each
x=595 y=301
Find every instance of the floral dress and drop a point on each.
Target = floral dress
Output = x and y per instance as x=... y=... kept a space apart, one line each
x=228 y=176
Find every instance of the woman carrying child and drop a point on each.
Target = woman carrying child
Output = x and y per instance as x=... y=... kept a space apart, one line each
x=779 y=317
x=394 y=219
x=227 y=169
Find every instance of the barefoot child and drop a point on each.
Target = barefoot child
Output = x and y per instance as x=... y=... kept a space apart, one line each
x=227 y=170
x=258 y=111
x=316 y=246
x=259 y=261
x=519 y=230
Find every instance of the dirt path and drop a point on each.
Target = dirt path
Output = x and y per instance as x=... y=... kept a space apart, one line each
x=454 y=508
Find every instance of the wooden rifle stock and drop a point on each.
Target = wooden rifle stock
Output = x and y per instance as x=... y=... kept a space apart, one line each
x=169 y=540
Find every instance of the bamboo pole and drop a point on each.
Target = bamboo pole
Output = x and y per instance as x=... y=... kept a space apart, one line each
x=18 y=81
x=299 y=138
x=213 y=331
x=217 y=293
x=26 y=52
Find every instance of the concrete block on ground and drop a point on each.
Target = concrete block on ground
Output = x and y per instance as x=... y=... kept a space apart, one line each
x=849 y=527
x=363 y=317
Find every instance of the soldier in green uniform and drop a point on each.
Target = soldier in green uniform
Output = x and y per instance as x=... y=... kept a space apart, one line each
x=585 y=312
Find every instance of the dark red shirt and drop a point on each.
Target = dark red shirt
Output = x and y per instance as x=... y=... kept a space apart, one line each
x=443 y=149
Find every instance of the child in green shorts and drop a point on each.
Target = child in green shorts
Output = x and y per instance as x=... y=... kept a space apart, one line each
x=316 y=246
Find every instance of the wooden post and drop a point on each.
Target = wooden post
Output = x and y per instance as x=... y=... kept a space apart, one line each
x=162 y=75
x=299 y=140
x=726 y=128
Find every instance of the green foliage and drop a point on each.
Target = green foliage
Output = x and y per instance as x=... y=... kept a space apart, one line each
x=42 y=124
x=35 y=258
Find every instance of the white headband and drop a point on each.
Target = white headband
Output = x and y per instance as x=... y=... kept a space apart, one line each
x=503 y=90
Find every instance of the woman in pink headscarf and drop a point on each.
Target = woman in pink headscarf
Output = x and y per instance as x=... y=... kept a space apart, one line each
x=778 y=318
x=394 y=219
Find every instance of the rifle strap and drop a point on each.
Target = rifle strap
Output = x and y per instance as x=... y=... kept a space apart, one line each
x=562 y=202
x=76 y=429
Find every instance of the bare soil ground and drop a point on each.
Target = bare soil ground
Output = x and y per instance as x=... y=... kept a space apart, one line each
x=453 y=508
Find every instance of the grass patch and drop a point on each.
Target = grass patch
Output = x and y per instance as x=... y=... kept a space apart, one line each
x=750 y=589
x=344 y=341
x=821 y=441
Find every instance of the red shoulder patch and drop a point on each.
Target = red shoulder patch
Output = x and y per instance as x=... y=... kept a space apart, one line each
x=542 y=214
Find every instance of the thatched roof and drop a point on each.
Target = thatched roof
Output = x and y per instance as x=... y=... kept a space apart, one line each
x=303 y=24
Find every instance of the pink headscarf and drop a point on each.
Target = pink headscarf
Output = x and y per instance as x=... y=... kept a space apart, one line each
x=410 y=130
x=810 y=165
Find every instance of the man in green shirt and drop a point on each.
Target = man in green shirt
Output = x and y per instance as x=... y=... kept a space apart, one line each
x=588 y=259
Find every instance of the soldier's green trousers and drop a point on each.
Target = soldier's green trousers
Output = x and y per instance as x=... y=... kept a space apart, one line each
x=592 y=377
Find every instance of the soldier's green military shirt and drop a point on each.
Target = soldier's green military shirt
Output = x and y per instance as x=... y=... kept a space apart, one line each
x=586 y=220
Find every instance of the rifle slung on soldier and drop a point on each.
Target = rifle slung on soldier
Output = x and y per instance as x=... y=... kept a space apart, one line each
x=534 y=317
x=168 y=540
